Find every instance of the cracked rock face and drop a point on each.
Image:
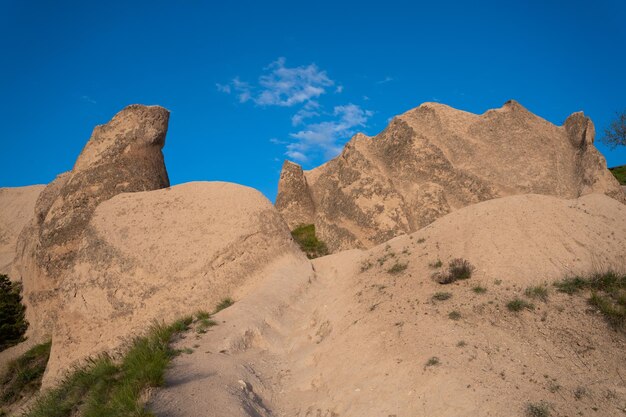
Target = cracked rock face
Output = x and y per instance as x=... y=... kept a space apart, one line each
x=435 y=159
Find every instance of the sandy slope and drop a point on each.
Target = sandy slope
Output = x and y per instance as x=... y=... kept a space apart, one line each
x=354 y=339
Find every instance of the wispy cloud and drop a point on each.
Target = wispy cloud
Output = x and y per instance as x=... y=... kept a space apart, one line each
x=88 y=99
x=281 y=85
x=326 y=136
x=302 y=87
x=385 y=80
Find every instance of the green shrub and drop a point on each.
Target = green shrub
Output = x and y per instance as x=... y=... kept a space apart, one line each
x=540 y=409
x=442 y=296
x=397 y=268
x=13 y=325
x=23 y=375
x=479 y=290
x=434 y=361
x=518 y=304
x=305 y=236
x=537 y=292
x=458 y=269
x=454 y=315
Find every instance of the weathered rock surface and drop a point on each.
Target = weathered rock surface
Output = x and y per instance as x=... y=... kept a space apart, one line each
x=433 y=160
x=163 y=254
x=121 y=156
x=16 y=210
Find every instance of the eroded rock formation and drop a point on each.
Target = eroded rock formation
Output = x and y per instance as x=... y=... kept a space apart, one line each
x=435 y=159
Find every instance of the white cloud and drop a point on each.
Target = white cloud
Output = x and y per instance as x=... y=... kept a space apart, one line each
x=286 y=87
x=282 y=86
x=302 y=87
x=223 y=88
x=385 y=80
x=88 y=99
x=327 y=136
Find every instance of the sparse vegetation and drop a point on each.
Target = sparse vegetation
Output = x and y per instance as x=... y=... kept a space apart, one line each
x=517 y=304
x=461 y=343
x=479 y=290
x=365 y=265
x=203 y=322
x=540 y=409
x=397 y=268
x=421 y=240
x=437 y=264
x=434 y=361
x=608 y=294
x=22 y=377
x=454 y=315
x=13 y=325
x=537 y=292
x=442 y=296
x=458 y=269
x=105 y=387
x=580 y=392
x=225 y=303
x=306 y=238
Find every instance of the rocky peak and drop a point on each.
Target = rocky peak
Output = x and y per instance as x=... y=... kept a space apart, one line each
x=435 y=159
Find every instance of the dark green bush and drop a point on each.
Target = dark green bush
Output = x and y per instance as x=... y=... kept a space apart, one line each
x=13 y=325
x=305 y=236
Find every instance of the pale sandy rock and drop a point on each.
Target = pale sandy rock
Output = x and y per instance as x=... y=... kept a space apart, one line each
x=123 y=155
x=16 y=210
x=163 y=254
x=355 y=340
x=433 y=160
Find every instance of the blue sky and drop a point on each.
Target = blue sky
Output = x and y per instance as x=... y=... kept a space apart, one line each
x=249 y=84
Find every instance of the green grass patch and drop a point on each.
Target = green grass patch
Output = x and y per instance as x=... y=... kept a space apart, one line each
x=23 y=375
x=203 y=322
x=225 y=303
x=619 y=173
x=479 y=290
x=537 y=292
x=608 y=294
x=306 y=238
x=13 y=325
x=104 y=387
x=517 y=304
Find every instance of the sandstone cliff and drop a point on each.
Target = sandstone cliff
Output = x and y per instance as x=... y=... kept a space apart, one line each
x=433 y=160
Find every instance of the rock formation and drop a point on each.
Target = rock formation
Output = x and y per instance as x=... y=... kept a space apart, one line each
x=160 y=255
x=433 y=160
x=123 y=155
x=16 y=210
